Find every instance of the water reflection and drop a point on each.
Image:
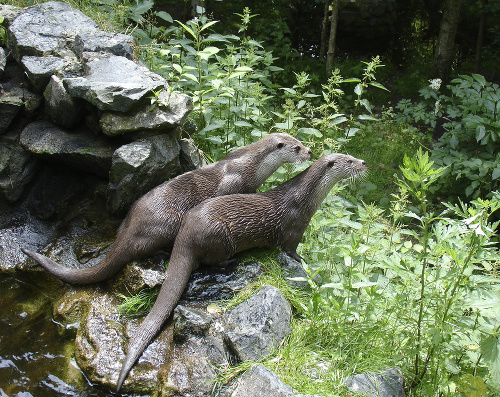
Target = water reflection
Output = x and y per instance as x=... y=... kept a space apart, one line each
x=36 y=358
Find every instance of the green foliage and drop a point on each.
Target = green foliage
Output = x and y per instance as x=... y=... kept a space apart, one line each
x=138 y=304
x=2 y=32
x=471 y=141
x=431 y=285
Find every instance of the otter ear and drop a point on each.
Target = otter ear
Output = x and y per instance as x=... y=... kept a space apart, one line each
x=331 y=164
x=280 y=145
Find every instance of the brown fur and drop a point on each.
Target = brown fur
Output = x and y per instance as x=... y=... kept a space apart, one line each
x=154 y=220
x=221 y=227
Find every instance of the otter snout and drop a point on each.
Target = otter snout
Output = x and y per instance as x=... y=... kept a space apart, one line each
x=305 y=153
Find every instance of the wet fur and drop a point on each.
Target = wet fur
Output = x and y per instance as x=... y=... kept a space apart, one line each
x=221 y=227
x=154 y=220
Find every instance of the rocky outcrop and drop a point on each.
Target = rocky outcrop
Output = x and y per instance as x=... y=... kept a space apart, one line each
x=389 y=383
x=256 y=327
x=65 y=70
x=261 y=381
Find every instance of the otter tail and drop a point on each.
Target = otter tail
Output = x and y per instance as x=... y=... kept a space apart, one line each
x=178 y=272
x=103 y=270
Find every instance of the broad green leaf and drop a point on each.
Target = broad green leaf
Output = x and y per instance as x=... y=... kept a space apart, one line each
x=165 y=16
x=496 y=173
x=241 y=123
x=358 y=90
x=480 y=132
x=367 y=117
x=310 y=131
x=480 y=79
x=490 y=349
x=177 y=67
x=378 y=85
x=143 y=7
x=211 y=23
x=187 y=29
x=243 y=69
x=208 y=52
x=190 y=76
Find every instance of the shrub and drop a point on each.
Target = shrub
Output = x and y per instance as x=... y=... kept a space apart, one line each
x=471 y=141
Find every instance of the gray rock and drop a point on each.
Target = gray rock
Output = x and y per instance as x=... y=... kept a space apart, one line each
x=100 y=41
x=3 y=60
x=9 y=13
x=140 y=166
x=166 y=117
x=256 y=327
x=260 y=381
x=79 y=150
x=20 y=235
x=17 y=169
x=295 y=273
x=62 y=109
x=190 y=321
x=221 y=283
x=389 y=383
x=44 y=29
x=101 y=345
x=10 y=106
x=191 y=156
x=114 y=83
x=192 y=372
x=136 y=277
x=39 y=69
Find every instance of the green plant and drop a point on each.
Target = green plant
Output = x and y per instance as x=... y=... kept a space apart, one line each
x=427 y=280
x=470 y=143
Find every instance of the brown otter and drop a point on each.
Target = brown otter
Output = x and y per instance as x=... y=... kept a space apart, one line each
x=221 y=227
x=154 y=219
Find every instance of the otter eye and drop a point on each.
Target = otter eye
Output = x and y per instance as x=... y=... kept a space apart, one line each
x=297 y=149
x=331 y=164
x=280 y=145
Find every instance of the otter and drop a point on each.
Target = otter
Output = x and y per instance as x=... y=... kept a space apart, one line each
x=219 y=228
x=154 y=220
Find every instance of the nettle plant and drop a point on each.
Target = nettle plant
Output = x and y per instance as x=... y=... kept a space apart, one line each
x=228 y=76
x=470 y=145
x=415 y=289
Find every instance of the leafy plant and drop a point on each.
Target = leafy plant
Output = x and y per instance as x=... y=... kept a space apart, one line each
x=428 y=280
x=470 y=143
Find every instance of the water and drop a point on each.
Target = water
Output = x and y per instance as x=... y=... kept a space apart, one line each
x=36 y=358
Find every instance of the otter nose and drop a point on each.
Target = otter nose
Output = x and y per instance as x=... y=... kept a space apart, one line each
x=363 y=162
x=310 y=152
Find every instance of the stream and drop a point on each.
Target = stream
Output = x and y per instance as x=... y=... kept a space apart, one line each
x=33 y=348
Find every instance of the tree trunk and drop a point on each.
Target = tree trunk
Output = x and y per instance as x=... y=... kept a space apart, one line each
x=324 y=27
x=333 y=35
x=443 y=56
x=480 y=37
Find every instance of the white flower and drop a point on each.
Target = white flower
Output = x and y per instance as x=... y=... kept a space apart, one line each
x=435 y=84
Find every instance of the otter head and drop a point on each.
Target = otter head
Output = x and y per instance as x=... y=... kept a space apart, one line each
x=284 y=148
x=336 y=167
x=343 y=166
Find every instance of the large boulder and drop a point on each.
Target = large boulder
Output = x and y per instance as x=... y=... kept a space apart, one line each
x=140 y=166
x=389 y=383
x=17 y=169
x=80 y=150
x=170 y=114
x=62 y=108
x=257 y=326
x=260 y=381
x=39 y=69
x=100 y=41
x=114 y=83
x=44 y=29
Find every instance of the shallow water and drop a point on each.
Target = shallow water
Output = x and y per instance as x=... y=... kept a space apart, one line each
x=32 y=347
